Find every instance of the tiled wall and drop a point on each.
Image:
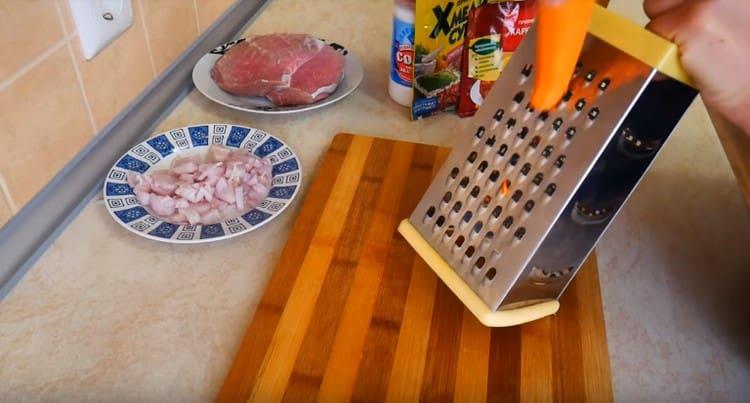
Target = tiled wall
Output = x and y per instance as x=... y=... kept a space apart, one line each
x=52 y=100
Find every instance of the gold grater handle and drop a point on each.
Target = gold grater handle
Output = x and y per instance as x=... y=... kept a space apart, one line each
x=488 y=317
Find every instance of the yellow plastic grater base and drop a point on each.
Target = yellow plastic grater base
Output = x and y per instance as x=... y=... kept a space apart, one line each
x=504 y=318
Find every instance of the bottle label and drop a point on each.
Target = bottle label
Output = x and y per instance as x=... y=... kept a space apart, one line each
x=402 y=52
x=485 y=58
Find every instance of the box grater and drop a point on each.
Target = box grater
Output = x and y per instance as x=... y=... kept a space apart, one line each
x=525 y=195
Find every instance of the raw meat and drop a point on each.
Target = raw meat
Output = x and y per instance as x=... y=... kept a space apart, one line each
x=288 y=69
x=228 y=184
x=184 y=166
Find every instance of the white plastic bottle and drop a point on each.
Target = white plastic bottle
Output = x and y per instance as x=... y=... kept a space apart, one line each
x=402 y=53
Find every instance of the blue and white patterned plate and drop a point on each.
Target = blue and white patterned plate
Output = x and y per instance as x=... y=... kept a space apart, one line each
x=159 y=151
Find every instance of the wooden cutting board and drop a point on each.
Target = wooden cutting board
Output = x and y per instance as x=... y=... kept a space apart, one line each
x=352 y=314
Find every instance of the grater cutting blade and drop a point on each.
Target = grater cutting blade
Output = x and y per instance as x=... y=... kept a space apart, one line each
x=523 y=197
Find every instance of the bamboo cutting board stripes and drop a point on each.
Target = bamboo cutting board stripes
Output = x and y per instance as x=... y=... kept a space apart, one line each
x=352 y=314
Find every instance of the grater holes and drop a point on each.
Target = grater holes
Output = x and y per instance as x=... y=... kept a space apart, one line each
x=480 y=132
x=440 y=221
x=520 y=232
x=535 y=141
x=477 y=227
x=526 y=70
x=541 y=120
x=490 y=142
x=560 y=161
x=430 y=213
x=483 y=166
x=479 y=264
x=486 y=241
x=566 y=97
x=449 y=231
x=508 y=222
x=528 y=206
x=468 y=254
x=494 y=175
x=490 y=275
x=502 y=150
x=514 y=159
x=580 y=104
x=451 y=178
x=604 y=84
x=497 y=211
x=464 y=182
x=529 y=111
x=457 y=206
x=589 y=77
x=523 y=133
x=517 y=195
x=578 y=68
x=550 y=190
x=499 y=115
x=563 y=101
x=557 y=124
x=547 y=151
x=570 y=133
x=475 y=192
x=519 y=97
x=593 y=114
x=454 y=173
x=538 y=178
x=472 y=157
x=467 y=217
x=511 y=123
x=525 y=169
x=447 y=197
x=459 y=241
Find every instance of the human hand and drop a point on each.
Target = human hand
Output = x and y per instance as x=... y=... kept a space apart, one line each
x=714 y=41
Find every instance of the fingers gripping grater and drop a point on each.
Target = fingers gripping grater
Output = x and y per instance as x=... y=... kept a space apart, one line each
x=523 y=197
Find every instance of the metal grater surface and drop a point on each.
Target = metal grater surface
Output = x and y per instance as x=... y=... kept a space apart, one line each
x=524 y=196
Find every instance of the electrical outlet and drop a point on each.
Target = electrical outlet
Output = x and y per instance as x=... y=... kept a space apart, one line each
x=99 y=22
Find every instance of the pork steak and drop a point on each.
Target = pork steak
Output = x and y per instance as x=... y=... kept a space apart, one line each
x=288 y=69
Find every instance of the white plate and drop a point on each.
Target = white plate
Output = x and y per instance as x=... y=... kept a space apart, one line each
x=159 y=151
x=353 y=72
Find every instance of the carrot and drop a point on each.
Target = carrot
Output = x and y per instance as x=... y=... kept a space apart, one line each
x=561 y=30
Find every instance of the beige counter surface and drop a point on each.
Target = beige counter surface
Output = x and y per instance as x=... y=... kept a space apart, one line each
x=107 y=316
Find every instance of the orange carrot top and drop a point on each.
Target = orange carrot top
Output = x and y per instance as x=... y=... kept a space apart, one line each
x=561 y=30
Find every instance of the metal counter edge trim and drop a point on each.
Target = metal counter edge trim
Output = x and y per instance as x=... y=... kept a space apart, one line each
x=33 y=229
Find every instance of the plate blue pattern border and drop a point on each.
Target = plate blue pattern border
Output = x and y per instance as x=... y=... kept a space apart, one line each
x=158 y=152
x=161 y=144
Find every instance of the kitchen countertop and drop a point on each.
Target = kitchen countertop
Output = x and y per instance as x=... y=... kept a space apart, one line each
x=107 y=316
